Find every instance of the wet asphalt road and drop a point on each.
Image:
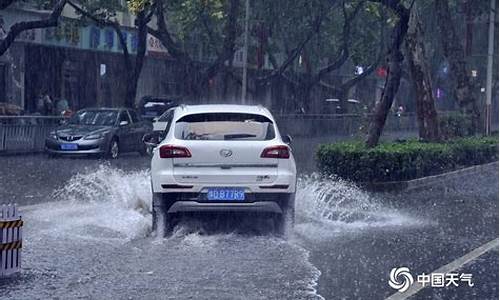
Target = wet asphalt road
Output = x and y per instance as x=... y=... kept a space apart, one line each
x=88 y=237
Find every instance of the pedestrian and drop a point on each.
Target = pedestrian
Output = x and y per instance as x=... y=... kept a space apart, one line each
x=40 y=105
x=399 y=113
x=401 y=110
x=49 y=105
x=62 y=106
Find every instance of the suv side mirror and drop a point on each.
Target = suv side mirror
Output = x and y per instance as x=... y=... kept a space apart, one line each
x=287 y=139
x=123 y=123
x=151 y=140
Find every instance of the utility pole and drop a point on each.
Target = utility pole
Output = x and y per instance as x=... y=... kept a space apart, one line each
x=244 y=80
x=489 y=70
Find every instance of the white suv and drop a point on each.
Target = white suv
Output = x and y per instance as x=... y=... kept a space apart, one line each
x=222 y=158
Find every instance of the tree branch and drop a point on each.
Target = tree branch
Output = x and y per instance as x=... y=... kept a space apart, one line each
x=208 y=28
x=353 y=81
x=143 y=18
x=343 y=53
x=294 y=53
x=6 y=3
x=19 y=27
x=230 y=33
x=163 y=34
x=104 y=22
x=395 y=5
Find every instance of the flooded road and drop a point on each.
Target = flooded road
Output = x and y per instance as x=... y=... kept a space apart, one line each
x=89 y=237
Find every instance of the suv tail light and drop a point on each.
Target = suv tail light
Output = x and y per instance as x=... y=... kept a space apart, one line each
x=276 y=152
x=169 y=151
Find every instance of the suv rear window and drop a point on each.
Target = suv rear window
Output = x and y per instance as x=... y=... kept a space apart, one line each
x=224 y=126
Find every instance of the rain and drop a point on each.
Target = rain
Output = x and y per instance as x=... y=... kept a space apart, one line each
x=249 y=149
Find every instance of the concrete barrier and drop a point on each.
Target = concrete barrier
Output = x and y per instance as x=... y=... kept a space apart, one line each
x=11 y=236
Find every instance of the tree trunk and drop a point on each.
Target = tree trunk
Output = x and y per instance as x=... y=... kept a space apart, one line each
x=342 y=107
x=303 y=89
x=428 y=125
x=135 y=73
x=454 y=53
x=133 y=69
x=391 y=86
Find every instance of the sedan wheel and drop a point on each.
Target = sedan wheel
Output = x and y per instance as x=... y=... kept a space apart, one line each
x=114 y=149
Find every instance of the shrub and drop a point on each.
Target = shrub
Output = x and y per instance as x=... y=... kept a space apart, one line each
x=406 y=160
x=456 y=125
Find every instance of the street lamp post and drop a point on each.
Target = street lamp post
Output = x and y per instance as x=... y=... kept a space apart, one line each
x=489 y=70
x=245 y=54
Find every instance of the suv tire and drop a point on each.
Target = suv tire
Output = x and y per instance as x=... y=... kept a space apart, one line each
x=283 y=223
x=163 y=223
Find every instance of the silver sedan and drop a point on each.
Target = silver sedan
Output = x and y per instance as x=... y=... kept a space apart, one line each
x=104 y=131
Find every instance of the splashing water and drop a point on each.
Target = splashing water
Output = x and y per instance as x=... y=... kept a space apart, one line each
x=329 y=206
x=106 y=204
x=110 y=210
x=331 y=199
x=114 y=200
x=107 y=184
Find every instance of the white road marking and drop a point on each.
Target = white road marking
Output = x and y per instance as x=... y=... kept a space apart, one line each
x=454 y=265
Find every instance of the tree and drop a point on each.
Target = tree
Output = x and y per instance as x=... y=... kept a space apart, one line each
x=427 y=118
x=195 y=76
x=20 y=27
x=102 y=12
x=328 y=30
x=394 y=60
x=454 y=53
x=362 y=51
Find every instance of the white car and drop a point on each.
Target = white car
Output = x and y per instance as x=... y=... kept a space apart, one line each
x=222 y=158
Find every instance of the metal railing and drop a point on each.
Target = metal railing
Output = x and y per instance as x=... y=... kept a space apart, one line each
x=25 y=133
x=20 y=134
x=315 y=125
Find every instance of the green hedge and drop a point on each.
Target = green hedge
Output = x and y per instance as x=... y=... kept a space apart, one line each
x=455 y=125
x=406 y=160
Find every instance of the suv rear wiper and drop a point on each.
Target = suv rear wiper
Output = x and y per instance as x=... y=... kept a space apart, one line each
x=238 y=136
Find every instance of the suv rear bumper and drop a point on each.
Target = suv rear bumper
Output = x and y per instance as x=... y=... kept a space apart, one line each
x=197 y=202
x=193 y=206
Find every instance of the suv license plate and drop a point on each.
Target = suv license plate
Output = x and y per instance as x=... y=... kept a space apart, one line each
x=226 y=194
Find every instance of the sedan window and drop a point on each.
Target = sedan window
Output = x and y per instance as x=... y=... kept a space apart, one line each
x=94 y=117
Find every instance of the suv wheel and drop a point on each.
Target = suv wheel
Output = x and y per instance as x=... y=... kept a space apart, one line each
x=283 y=223
x=163 y=223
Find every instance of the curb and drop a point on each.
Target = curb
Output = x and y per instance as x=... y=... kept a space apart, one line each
x=424 y=182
